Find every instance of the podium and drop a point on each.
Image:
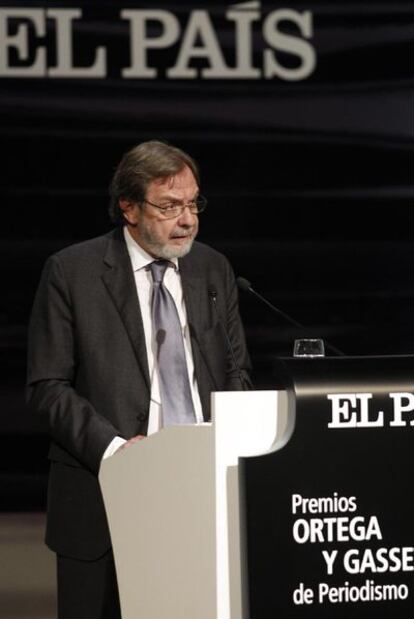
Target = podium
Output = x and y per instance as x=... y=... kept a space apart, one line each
x=291 y=503
x=173 y=506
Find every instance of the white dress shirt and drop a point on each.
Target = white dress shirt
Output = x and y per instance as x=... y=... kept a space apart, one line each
x=140 y=261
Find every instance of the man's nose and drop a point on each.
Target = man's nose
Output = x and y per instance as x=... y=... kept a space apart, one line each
x=186 y=218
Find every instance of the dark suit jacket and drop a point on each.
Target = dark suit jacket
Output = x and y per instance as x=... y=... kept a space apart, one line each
x=88 y=369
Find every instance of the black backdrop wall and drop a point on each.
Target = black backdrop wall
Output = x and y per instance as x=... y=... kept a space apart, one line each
x=301 y=117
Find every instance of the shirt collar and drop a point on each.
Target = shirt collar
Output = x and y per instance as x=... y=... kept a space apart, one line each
x=139 y=257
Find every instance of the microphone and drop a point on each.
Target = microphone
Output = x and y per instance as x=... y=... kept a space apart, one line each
x=212 y=293
x=245 y=285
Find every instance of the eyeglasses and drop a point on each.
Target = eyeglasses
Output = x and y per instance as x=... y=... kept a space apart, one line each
x=170 y=211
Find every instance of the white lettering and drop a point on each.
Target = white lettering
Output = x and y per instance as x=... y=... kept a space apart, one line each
x=365 y=422
x=64 y=48
x=359 y=417
x=315 y=505
x=141 y=42
x=303 y=595
x=200 y=50
x=289 y=44
x=367 y=592
x=400 y=408
x=341 y=415
x=200 y=28
x=329 y=560
x=379 y=561
x=243 y=19
x=340 y=529
x=20 y=42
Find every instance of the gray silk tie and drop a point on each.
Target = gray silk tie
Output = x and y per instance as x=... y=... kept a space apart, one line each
x=176 y=399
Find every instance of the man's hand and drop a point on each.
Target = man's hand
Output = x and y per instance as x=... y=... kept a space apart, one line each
x=132 y=441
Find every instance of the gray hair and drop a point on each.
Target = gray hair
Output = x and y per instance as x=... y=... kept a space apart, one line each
x=141 y=165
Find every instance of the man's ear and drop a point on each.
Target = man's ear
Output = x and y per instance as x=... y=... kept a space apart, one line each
x=130 y=211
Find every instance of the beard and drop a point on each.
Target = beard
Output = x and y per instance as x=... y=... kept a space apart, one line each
x=168 y=250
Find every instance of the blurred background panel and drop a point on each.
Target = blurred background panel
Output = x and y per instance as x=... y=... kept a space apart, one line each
x=308 y=171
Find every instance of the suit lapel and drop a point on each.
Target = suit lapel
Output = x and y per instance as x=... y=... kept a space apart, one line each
x=119 y=280
x=195 y=301
x=193 y=293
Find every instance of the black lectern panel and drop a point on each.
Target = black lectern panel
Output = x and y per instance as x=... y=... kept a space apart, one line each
x=330 y=516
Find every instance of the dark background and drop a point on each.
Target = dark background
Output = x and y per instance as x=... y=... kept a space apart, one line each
x=309 y=186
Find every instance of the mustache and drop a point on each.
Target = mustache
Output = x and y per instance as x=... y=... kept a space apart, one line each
x=185 y=230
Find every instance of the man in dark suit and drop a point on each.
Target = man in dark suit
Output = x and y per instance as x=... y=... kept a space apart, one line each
x=93 y=368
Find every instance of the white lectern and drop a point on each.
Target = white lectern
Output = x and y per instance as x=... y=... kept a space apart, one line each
x=173 y=508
